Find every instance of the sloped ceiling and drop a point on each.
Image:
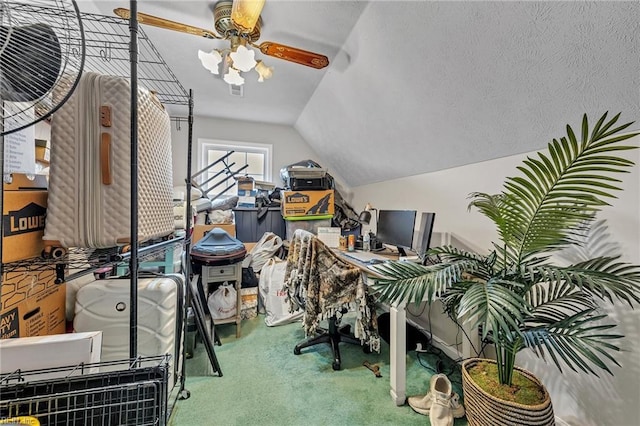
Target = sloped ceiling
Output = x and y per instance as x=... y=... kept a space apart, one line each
x=316 y=25
x=420 y=86
x=424 y=86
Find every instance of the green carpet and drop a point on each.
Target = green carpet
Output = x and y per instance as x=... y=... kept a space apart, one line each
x=264 y=383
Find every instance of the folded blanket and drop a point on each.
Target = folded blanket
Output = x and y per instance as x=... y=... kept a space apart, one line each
x=179 y=218
x=323 y=285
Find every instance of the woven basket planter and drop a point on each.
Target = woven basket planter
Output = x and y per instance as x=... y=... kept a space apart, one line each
x=484 y=409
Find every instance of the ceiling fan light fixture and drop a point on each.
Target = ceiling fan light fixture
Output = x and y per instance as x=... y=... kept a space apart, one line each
x=245 y=14
x=243 y=59
x=264 y=72
x=210 y=60
x=233 y=77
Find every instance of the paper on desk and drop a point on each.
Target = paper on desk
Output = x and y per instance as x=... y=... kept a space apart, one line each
x=330 y=236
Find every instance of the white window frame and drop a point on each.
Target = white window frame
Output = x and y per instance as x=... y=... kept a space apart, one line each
x=262 y=148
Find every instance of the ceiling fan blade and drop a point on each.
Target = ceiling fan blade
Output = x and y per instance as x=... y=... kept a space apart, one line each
x=293 y=54
x=166 y=24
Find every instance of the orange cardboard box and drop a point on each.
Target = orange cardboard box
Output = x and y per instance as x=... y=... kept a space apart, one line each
x=23 y=215
x=200 y=230
x=308 y=203
x=31 y=304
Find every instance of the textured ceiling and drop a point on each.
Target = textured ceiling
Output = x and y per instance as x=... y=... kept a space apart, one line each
x=433 y=85
x=419 y=86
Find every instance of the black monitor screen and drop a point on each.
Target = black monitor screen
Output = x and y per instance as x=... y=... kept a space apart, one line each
x=395 y=227
x=425 y=231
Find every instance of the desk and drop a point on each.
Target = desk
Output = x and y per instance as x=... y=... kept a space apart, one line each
x=397 y=345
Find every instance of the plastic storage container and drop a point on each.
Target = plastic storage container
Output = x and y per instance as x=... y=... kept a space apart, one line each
x=308 y=224
x=249 y=229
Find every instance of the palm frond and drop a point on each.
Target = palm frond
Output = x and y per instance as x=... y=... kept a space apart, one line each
x=553 y=301
x=412 y=282
x=409 y=281
x=603 y=277
x=560 y=191
x=477 y=265
x=492 y=207
x=577 y=341
x=450 y=299
x=494 y=306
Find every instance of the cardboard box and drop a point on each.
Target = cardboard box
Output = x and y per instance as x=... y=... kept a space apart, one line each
x=305 y=203
x=32 y=304
x=43 y=153
x=61 y=350
x=247 y=198
x=200 y=230
x=245 y=183
x=23 y=215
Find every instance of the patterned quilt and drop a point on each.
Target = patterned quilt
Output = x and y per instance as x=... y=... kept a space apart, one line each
x=322 y=284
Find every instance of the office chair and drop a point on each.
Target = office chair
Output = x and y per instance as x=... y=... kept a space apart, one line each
x=324 y=285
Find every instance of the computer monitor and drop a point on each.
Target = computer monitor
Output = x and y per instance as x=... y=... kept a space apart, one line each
x=424 y=234
x=395 y=227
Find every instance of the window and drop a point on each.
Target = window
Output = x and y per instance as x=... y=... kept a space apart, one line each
x=255 y=156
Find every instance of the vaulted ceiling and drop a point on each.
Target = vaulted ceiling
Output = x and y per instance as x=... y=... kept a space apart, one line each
x=419 y=86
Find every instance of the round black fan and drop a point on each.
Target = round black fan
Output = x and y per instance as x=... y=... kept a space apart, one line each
x=42 y=51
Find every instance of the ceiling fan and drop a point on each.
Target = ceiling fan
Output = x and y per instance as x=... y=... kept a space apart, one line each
x=238 y=22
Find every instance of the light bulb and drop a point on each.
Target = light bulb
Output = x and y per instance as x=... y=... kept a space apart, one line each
x=264 y=72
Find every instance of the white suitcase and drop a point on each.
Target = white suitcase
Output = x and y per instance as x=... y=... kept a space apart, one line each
x=89 y=202
x=104 y=305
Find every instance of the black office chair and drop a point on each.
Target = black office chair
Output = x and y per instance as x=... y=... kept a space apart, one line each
x=316 y=274
x=333 y=335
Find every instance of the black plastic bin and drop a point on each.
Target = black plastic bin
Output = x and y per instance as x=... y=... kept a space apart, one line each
x=249 y=229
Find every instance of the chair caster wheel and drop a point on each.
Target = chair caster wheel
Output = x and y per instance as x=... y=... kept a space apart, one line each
x=185 y=394
x=336 y=365
x=296 y=351
x=366 y=349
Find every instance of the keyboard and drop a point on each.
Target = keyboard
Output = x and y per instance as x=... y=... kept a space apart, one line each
x=365 y=256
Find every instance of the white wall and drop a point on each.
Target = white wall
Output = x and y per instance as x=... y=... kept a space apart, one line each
x=578 y=399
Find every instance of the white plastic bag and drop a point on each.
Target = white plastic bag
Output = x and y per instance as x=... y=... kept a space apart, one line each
x=265 y=249
x=223 y=302
x=272 y=296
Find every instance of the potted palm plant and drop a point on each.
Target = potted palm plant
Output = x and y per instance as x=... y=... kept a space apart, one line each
x=517 y=294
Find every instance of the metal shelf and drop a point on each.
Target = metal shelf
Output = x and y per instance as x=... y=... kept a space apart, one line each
x=107 y=44
x=117 y=47
x=107 y=40
x=81 y=261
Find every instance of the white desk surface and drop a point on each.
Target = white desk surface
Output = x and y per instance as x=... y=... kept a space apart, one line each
x=365 y=259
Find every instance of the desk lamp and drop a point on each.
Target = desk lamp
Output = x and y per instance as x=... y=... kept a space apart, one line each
x=366 y=216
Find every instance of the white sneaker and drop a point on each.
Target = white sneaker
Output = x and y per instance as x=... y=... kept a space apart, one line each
x=456 y=407
x=422 y=403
